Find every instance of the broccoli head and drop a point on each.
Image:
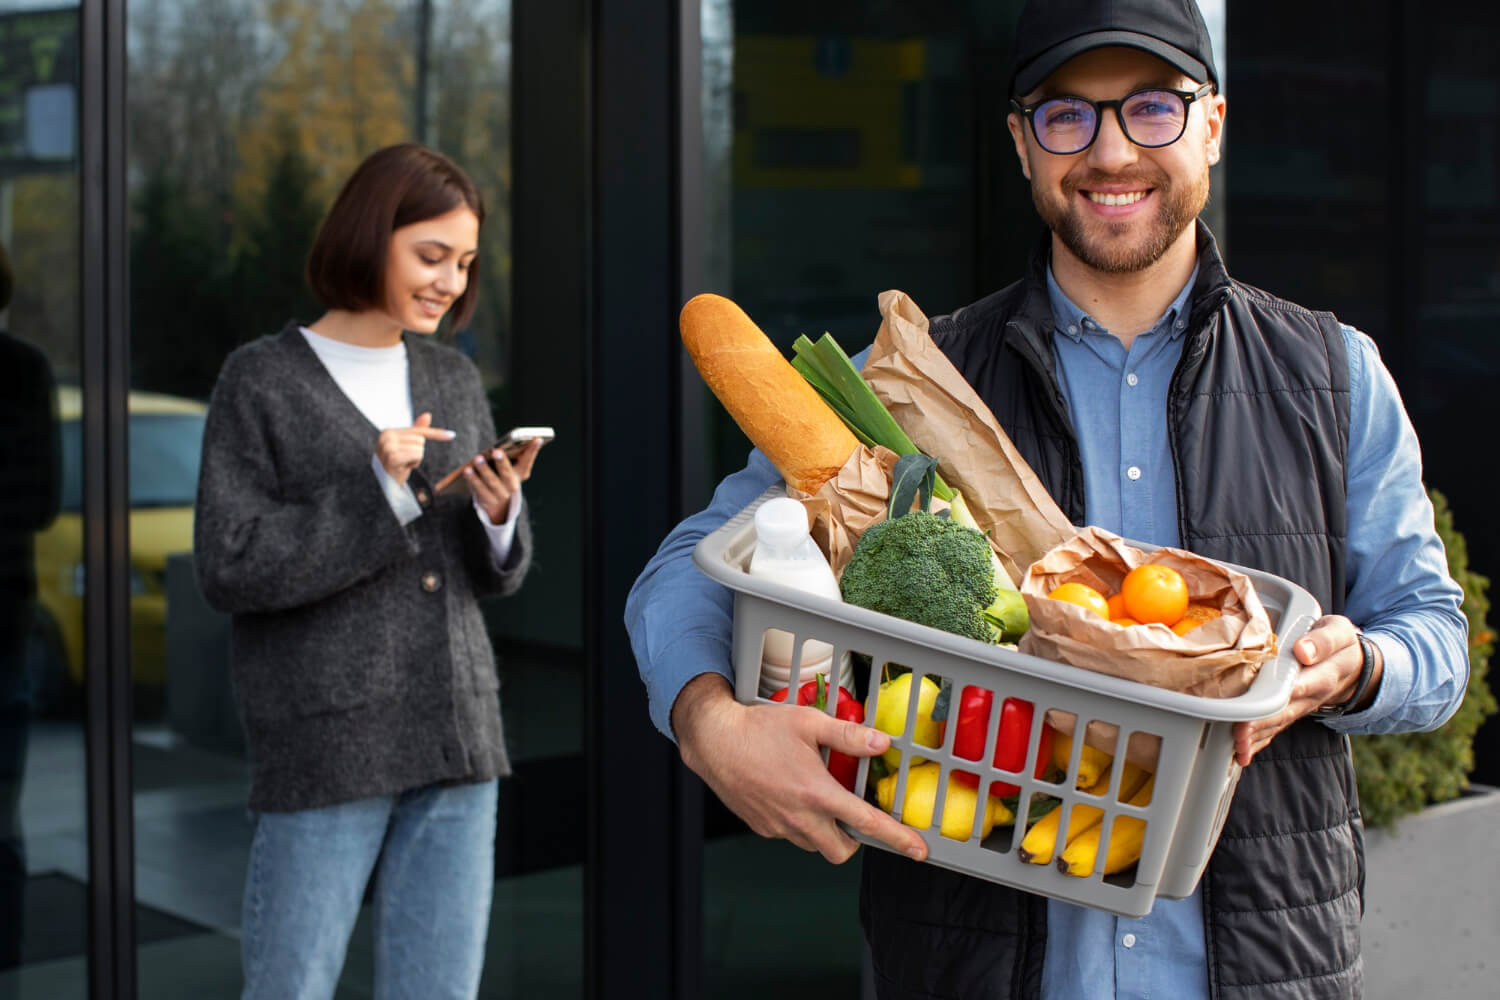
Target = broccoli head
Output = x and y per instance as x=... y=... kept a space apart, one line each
x=925 y=569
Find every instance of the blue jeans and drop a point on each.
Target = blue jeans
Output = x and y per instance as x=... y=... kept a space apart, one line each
x=432 y=852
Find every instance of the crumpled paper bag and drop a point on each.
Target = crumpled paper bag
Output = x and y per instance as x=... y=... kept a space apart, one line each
x=945 y=418
x=855 y=498
x=1218 y=659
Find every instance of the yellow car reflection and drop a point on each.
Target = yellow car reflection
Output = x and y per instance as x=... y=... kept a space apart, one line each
x=166 y=436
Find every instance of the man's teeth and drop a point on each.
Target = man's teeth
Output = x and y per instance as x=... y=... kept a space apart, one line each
x=1129 y=198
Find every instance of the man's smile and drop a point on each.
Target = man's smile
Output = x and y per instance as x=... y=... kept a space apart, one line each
x=1114 y=198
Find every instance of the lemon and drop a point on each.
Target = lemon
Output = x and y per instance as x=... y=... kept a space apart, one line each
x=890 y=714
x=958 y=808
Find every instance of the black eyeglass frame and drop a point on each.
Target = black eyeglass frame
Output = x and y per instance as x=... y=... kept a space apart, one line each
x=1188 y=98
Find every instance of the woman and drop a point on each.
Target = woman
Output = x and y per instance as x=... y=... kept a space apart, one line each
x=362 y=668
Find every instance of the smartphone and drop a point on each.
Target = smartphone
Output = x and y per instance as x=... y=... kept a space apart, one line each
x=517 y=438
x=511 y=442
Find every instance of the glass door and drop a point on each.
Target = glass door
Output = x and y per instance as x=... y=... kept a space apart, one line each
x=848 y=148
x=44 y=856
x=245 y=116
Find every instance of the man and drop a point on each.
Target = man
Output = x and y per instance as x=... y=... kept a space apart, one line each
x=1158 y=398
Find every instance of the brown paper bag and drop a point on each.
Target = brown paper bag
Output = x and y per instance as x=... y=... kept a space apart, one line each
x=945 y=418
x=1218 y=659
x=854 y=499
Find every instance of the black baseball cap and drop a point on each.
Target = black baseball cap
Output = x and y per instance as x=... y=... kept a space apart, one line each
x=1050 y=32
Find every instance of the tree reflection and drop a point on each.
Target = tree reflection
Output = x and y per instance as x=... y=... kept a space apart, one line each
x=244 y=115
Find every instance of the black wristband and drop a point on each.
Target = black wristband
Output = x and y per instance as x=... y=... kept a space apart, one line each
x=1361 y=686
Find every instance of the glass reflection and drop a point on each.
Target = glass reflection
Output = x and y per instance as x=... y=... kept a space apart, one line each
x=244 y=116
x=43 y=856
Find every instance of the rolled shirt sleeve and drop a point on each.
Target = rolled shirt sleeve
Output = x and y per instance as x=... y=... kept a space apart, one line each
x=680 y=622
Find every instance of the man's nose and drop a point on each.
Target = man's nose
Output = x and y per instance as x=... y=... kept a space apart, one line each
x=1111 y=147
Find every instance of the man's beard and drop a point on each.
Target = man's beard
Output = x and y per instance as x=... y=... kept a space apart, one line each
x=1109 y=252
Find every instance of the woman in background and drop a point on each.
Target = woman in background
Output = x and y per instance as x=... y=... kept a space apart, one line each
x=362 y=668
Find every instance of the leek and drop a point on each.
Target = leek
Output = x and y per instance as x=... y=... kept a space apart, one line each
x=833 y=376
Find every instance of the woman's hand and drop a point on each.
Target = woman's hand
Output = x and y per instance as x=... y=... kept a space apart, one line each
x=400 y=449
x=496 y=481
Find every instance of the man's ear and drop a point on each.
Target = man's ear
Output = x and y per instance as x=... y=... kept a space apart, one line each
x=1215 y=109
x=1018 y=136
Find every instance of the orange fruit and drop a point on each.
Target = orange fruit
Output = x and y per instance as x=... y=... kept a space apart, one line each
x=1117 y=606
x=1124 y=622
x=1195 y=615
x=1154 y=593
x=1082 y=595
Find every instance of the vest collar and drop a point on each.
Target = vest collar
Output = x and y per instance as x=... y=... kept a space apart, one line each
x=1032 y=321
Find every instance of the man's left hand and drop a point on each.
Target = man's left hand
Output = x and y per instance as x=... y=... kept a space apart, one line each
x=1331 y=661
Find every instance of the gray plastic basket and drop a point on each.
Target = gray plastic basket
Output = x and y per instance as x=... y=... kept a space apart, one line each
x=1195 y=773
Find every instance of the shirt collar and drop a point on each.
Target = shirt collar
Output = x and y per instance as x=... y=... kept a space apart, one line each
x=1073 y=322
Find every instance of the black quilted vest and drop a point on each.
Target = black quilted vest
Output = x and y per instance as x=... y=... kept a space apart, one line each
x=1258 y=414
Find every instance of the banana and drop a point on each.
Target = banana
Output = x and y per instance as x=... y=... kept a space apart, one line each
x=958 y=808
x=1125 y=841
x=1092 y=762
x=1036 y=847
x=1040 y=841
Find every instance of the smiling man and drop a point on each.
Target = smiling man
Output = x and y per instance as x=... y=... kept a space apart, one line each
x=1156 y=397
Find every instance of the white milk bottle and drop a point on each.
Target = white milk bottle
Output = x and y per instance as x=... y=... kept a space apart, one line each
x=785 y=553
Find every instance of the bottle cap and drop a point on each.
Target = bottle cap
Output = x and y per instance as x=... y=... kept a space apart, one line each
x=780 y=523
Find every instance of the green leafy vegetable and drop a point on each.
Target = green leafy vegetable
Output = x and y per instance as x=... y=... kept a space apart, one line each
x=829 y=371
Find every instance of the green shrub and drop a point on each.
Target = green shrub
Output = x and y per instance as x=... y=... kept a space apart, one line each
x=1402 y=773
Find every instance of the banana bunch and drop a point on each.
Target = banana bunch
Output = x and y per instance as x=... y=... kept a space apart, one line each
x=958 y=808
x=1125 y=841
x=1039 y=845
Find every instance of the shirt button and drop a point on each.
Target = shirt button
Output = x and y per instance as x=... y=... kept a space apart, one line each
x=1130 y=380
x=1128 y=940
x=423 y=497
x=431 y=582
x=1134 y=472
x=1072 y=329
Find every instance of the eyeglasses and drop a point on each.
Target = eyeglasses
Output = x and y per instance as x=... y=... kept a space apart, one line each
x=1149 y=118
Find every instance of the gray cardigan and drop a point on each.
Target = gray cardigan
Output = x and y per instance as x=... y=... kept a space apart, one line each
x=361 y=662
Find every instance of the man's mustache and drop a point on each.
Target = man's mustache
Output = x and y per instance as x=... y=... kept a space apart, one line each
x=1098 y=180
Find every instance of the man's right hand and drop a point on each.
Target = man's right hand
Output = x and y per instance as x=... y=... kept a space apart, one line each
x=765 y=763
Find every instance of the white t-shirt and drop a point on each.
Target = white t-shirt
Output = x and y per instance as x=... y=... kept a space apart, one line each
x=375 y=380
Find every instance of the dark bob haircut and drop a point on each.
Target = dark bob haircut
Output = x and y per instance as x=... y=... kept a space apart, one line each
x=394 y=187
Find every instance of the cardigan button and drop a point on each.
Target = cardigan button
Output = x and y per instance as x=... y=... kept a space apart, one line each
x=431 y=582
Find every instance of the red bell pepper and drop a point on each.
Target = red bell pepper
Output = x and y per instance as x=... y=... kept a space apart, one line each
x=815 y=695
x=1010 y=745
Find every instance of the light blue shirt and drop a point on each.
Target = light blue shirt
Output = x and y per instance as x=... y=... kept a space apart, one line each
x=1399 y=592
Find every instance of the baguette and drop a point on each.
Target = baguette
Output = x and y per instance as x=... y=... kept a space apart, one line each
x=779 y=412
